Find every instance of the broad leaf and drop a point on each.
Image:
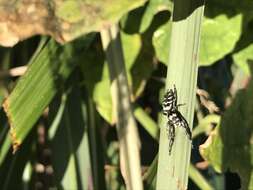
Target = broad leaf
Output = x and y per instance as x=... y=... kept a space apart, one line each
x=218 y=37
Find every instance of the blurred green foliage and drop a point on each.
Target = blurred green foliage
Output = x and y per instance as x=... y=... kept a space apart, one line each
x=78 y=72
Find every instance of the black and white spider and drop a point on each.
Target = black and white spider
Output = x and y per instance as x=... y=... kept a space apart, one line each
x=175 y=118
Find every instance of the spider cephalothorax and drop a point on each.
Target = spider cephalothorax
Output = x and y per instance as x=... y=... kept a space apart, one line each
x=175 y=118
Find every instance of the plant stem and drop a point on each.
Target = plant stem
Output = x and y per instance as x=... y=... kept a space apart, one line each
x=126 y=127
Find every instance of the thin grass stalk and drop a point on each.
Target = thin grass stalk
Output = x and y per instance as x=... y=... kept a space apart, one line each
x=147 y=122
x=125 y=123
x=182 y=72
x=198 y=179
x=96 y=148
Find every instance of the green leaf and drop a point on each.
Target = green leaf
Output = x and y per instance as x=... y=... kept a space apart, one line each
x=232 y=139
x=44 y=78
x=205 y=124
x=96 y=78
x=219 y=37
x=139 y=67
x=227 y=29
x=161 y=42
x=153 y=7
x=140 y=20
x=243 y=58
x=138 y=59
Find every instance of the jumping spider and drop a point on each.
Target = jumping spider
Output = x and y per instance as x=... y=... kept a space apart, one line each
x=175 y=118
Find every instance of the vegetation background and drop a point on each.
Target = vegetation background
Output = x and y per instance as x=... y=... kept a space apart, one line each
x=66 y=123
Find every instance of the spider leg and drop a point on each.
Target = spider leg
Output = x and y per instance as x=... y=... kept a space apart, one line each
x=175 y=94
x=171 y=134
x=175 y=102
x=185 y=125
x=188 y=132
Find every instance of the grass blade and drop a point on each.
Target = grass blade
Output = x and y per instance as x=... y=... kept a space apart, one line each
x=30 y=97
x=147 y=122
x=150 y=176
x=182 y=71
x=45 y=76
x=96 y=147
x=198 y=179
x=126 y=127
x=72 y=165
x=11 y=170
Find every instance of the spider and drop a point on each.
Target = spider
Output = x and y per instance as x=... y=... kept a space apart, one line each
x=175 y=118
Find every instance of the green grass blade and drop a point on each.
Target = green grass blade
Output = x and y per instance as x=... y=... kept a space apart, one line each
x=96 y=147
x=58 y=117
x=198 y=179
x=27 y=175
x=194 y=174
x=182 y=71
x=11 y=171
x=147 y=122
x=126 y=127
x=150 y=175
x=33 y=92
x=70 y=147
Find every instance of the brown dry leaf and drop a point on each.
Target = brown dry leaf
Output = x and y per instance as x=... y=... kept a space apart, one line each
x=64 y=20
